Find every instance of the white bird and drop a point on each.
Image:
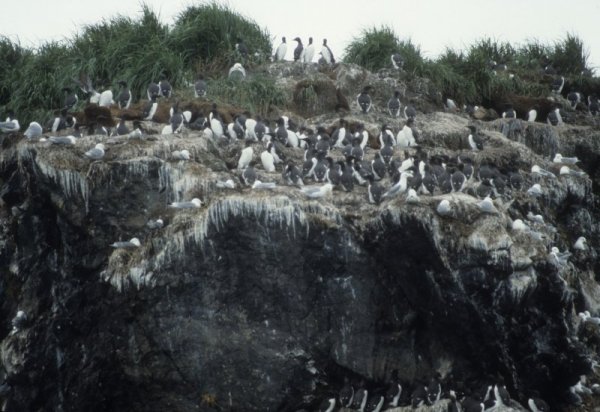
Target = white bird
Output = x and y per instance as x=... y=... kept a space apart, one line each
x=133 y=243
x=10 y=125
x=535 y=190
x=309 y=51
x=412 y=197
x=535 y=218
x=62 y=140
x=315 y=192
x=237 y=72
x=587 y=317
x=155 y=224
x=557 y=257
x=487 y=205
x=18 y=321
x=34 y=130
x=267 y=159
x=227 y=184
x=580 y=243
x=281 y=50
x=399 y=187
x=532 y=115
x=181 y=155
x=566 y=170
x=558 y=158
x=166 y=130
x=444 y=208
x=193 y=204
x=96 y=153
x=106 y=99
x=245 y=157
x=405 y=137
x=519 y=225
x=263 y=185
x=135 y=134
x=542 y=172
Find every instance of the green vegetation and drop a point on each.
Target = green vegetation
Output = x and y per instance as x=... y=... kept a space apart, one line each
x=256 y=94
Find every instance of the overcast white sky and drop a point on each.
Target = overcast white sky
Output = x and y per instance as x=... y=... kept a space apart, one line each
x=432 y=24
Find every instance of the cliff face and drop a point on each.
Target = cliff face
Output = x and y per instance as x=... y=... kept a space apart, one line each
x=265 y=300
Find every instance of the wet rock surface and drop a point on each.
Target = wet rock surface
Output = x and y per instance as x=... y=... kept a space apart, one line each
x=266 y=300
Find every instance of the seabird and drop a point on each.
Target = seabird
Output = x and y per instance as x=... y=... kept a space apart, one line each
x=315 y=192
x=281 y=50
x=334 y=171
x=406 y=137
x=298 y=50
x=309 y=52
x=566 y=170
x=574 y=99
x=34 y=130
x=386 y=137
x=216 y=125
x=326 y=53
x=124 y=98
x=558 y=84
x=346 y=394
x=328 y=405
x=263 y=185
x=200 y=87
x=593 y=105
x=130 y=244
x=155 y=224
x=67 y=140
x=165 y=87
x=394 y=104
x=378 y=167
x=475 y=140
x=538 y=405
x=434 y=390
x=360 y=399
x=291 y=174
x=535 y=190
x=193 y=204
x=375 y=403
x=364 y=100
x=472 y=405
x=10 y=125
x=267 y=159
x=347 y=178
x=532 y=115
x=518 y=225
x=418 y=396
x=558 y=158
x=246 y=156
x=554 y=117
x=176 y=120
x=535 y=169
x=401 y=186
x=249 y=175
x=227 y=184
x=450 y=105
x=71 y=98
x=96 y=153
x=375 y=191
x=153 y=91
x=535 y=218
x=410 y=112
x=444 y=208
x=412 y=197
x=487 y=206
x=150 y=108
x=509 y=112
x=237 y=72
x=580 y=244
x=241 y=48
x=339 y=136
x=121 y=129
x=181 y=155
x=397 y=61
x=19 y=321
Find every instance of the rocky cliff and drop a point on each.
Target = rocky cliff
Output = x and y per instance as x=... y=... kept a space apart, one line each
x=267 y=300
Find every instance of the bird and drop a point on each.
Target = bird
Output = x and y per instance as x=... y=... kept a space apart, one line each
x=406 y=137
x=532 y=115
x=487 y=206
x=246 y=156
x=281 y=50
x=401 y=186
x=364 y=100
x=434 y=390
x=124 y=97
x=535 y=218
x=64 y=140
x=176 y=120
x=155 y=224
x=150 y=108
x=535 y=169
x=309 y=52
x=558 y=84
x=315 y=192
x=519 y=225
x=121 y=129
x=472 y=405
x=237 y=72
x=554 y=118
x=394 y=104
x=537 y=405
x=326 y=53
x=249 y=175
x=263 y=185
x=574 y=99
x=241 y=48
x=593 y=105
x=475 y=140
x=509 y=112
x=96 y=153
x=418 y=396
x=535 y=190
x=192 y=204
x=134 y=242
x=200 y=87
x=71 y=98
x=10 y=125
x=374 y=190
x=375 y=403
x=298 y=50
x=19 y=321
x=267 y=159
x=328 y=405
x=181 y=154
x=566 y=170
x=558 y=158
x=292 y=175
x=165 y=87
x=33 y=131
x=412 y=197
x=153 y=90
x=580 y=243
x=444 y=208
x=409 y=112
x=227 y=184
x=397 y=61
x=346 y=394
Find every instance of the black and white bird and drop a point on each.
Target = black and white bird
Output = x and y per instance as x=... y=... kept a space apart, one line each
x=19 y=321
x=281 y=50
x=328 y=405
x=326 y=53
x=554 y=117
x=153 y=90
x=267 y=159
x=394 y=104
x=397 y=61
x=298 y=50
x=346 y=394
x=532 y=114
x=292 y=175
x=309 y=52
x=375 y=191
x=150 y=108
x=340 y=136
x=593 y=105
x=558 y=158
x=558 y=84
x=410 y=112
x=386 y=137
x=574 y=99
x=364 y=100
x=246 y=156
x=509 y=112
x=165 y=87
x=200 y=87
x=406 y=135
x=237 y=72
x=71 y=98
x=249 y=175
x=124 y=97
x=474 y=139
x=176 y=120
x=538 y=405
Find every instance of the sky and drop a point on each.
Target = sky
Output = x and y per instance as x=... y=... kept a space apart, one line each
x=431 y=24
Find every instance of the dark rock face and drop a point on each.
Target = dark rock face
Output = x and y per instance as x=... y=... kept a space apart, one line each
x=265 y=300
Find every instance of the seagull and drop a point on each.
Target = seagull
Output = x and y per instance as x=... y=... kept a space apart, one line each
x=315 y=192
x=535 y=218
x=557 y=257
x=237 y=72
x=227 y=184
x=34 y=130
x=566 y=170
x=580 y=244
x=181 y=155
x=412 y=197
x=444 y=208
x=96 y=153
x=401 y=186
x=155 y=224
x=519 y=225
x=558 y=158
x=193 y=204
x=587 y=317
x=9 y=126
x=18 y=321
x=263 y=185
x=68 y=140
x=535 y=190
x=535 y=169
x=487 y=206
x=130 y=244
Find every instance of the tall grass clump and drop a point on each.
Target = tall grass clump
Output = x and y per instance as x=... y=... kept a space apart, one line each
x=569 y=56
x=257 y=94
x=135 y=50
x=13 y=56
x=374 y=47
x=208 y=32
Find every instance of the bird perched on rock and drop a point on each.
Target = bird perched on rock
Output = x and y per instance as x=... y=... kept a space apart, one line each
x=566 y=170
x=475 y=140
x=309 y=52
x=327 y=53
x=200 y=87
x=150 y=108
x=509 y=112
x=444 y=208
x=537 y=170
x=298 y=50
x=33 y=131
x=124 y=97
x=558 y=84
x=165 y=87
x=130 y=244
x=554 y=118
x=593 y=105
x=246 y=156
x=63 y=140
x=580 y=244
x=227 y=184
x=281 y=50
x=71 y=98
x=181 y=154
x=155 y=224
x=96 y=153
x=153 y=91
x=558 y=158
x=193 y=204
x=19 y=321
x=397 y=61
x=364 y=100
x=237 y=72
x=394 y=104
x=535 y=190
x=249 y=175
x=315 y=192
x=487 y=206
x=574 y=99
x=538 y=405
x=10 y=125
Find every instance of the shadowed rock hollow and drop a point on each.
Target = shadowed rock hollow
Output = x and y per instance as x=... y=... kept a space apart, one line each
x=266 y=300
